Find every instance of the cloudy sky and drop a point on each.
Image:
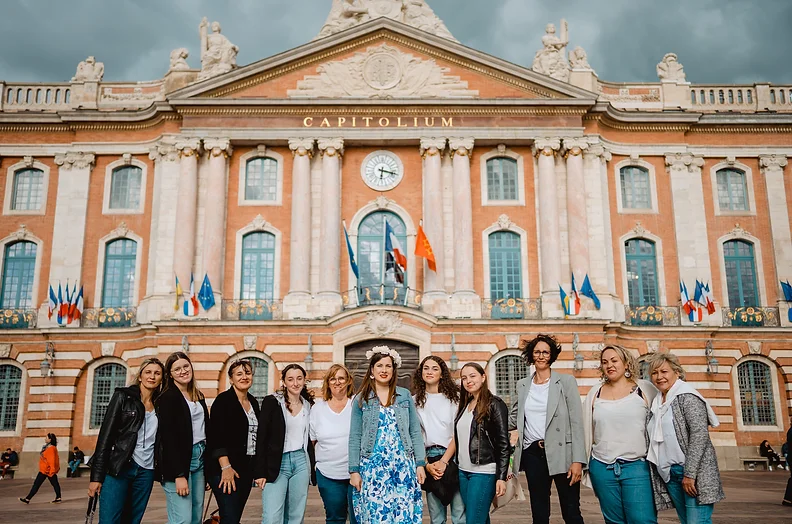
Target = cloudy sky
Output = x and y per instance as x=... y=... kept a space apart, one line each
x=731 y=41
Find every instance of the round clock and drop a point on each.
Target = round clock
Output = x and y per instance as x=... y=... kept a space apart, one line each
x=382 y=170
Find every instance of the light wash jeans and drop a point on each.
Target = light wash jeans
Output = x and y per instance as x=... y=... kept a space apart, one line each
x=189 y=509
x=437 y=511
x=284 y=500
x=624 y=490
x=688 y=509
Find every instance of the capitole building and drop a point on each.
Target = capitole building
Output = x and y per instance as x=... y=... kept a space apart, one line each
x=246 y=176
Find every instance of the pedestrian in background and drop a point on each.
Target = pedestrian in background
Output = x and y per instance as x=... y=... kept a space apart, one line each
x=49 y=465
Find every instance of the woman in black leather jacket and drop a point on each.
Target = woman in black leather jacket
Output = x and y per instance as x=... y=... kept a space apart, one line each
x=122 y=467
x=482 y=441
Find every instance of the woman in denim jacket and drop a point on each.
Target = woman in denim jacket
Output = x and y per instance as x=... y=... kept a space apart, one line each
x=386 y=449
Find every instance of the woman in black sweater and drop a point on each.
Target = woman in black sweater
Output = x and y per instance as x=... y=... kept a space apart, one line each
x=231 y=455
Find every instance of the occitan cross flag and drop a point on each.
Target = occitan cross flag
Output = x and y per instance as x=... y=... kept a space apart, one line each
x=424 y=249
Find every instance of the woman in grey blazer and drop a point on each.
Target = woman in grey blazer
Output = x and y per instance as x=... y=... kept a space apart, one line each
x=548 y=418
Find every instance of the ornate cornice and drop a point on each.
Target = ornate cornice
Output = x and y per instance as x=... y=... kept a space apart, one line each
x=302 y=146
x=75 y=160
x=772 y=162
x=739 y=233
x=414 y=109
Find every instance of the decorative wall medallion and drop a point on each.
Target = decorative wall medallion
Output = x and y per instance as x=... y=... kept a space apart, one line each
x=5 y=350
x=382 y=71
x=108 y=349
x=512 y=341
x=504 y=222
x=382 y=323
x=249 y=342
x=653 y=346
x=754 y=347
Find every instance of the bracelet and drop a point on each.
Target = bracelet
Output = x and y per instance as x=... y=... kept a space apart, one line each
x=225 y=467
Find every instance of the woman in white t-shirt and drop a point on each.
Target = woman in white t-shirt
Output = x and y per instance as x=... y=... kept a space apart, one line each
x=329 y=432
x=437 y=401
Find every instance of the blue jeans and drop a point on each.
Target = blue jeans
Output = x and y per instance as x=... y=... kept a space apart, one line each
x=478 y=490
x=284 y=500
x=624 y=490
x=688 y=510
x=232 y=505
x=337 y=498
x=188 y=509
x=437 y=511
x=124 y=498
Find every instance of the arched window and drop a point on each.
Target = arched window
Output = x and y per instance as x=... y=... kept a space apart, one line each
x=502 y=179
x=125 y=187
x=106 y=379
x=509 y=370
x=28 y=189
x=118 y=289
x=635 y=188
x=505 y=265
x=732 y=190
x=643 y=368
x=371 y=249
x=738 y=257
x=10 y=386
x=258 y=276
x=641 y=261
x=261 y=179
x=19 y=270
x=756 y=393
x=260 y=385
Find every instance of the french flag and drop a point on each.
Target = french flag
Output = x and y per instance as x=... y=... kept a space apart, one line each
x=709 y=299
x=62 y=306
x=191 y=304
x=685 y=298
x=52 y=303
x=77 y=306
x=574 y=302
x=395 y=257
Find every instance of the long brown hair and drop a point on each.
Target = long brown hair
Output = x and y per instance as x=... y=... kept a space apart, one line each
x=446 y=386
x=304 y=393
x=484 y=397
x=368 y=386
x=332 y=372
x=192 y=387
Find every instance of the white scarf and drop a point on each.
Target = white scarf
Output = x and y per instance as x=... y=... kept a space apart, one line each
x=660 y=408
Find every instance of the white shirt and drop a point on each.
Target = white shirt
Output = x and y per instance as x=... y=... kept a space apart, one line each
x=198 y=422
x=330 y=430
x=252 y=431
x=620 y=429
x=463 y=434
x=535 y=413
x=296 y=428
x=670 y=451
x=437 y=420
x=143 y=455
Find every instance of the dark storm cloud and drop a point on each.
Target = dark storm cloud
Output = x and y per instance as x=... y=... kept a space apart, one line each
x=718 y=41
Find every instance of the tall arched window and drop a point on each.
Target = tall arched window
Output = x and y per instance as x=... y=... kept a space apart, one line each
x=260 y=385
x=505 y=265
x=118 y=289
x=28 y=189
x=106 y=379
x=756 y=393
x=258 y=276
x=10 y=386
x=502 y=179
x=732 y=190
x=635 y=188
x=125 y=187
x=261 y=179
x=738 y=257
x=509 y=370
x=641 y=262
x=371 y=249
x=19 y=271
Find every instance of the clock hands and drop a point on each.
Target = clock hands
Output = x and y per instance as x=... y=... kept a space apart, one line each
x=383 y=171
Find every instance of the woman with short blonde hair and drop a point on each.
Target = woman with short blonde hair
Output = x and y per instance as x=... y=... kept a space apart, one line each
x=327 y=390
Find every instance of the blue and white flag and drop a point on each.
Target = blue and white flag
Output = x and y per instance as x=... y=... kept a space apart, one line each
x=352 y=262
x=587 y=291
x=206 y=295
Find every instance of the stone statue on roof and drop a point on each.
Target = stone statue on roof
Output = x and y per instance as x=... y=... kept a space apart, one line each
x=670 y=70
x=89 y=70
x=551 y=59
x=218 y=54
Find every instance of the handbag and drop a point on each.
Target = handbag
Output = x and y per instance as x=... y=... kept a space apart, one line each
x=89 y=514
x=513 y=490
x=447 y=486
x=214 y=518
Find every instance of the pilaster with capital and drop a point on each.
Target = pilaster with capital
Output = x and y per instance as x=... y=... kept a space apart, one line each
x=546 y=150
x=218 y=150
x=331 y=150
x=577 y=213
x=300 y=243
x=186 y=208
x=772 y=167
x=464 y=302
x=432 y=149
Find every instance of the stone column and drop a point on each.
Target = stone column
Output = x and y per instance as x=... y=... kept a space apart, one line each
x=435 y=300
x=772 y=167
x=218 y=149
x=68 y=234
x=690 y=224
x=331 y=150
x=577 y=212
x=545 y=150
x=186 y=210
x=297 y=302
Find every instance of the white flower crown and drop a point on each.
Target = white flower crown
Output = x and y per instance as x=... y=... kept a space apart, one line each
x=385 y=350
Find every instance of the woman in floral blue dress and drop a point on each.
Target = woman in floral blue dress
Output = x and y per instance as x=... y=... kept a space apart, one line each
x=386 y=449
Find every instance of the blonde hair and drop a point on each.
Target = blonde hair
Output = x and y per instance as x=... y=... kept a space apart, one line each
x=626 y=356
x=657 y=359
x=333 y=371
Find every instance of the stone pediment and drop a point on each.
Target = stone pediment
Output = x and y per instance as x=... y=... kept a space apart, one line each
x=382 y=71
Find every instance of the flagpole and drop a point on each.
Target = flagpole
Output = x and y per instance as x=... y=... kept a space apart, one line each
x=384 y=243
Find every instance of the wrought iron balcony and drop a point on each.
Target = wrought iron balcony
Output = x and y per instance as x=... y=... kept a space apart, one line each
x=751 y=317
x=382 y=295
x=252 y=310
x=18 y=318
x=651 y=315
x=512 y=308
x=109 y=317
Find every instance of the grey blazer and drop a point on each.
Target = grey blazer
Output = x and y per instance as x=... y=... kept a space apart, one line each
x=564 y=440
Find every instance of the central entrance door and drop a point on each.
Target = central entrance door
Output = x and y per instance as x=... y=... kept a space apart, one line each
x=355 y=359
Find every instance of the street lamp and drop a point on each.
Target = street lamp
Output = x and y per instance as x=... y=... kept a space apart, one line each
x=579 y=358
x=309 y=356
x=712 y=362
x=454 y=360
x=49 y=359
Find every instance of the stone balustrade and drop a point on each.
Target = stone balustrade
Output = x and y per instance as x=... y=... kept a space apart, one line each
x=35 y=97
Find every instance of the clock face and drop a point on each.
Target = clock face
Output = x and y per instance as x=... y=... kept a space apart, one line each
x=382 y=171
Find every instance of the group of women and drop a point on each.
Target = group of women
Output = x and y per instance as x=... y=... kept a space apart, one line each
x=642 y=446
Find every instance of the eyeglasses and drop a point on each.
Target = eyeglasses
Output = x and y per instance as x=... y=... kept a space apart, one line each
x=541 y=353
x=337 y=380
x=181 y=370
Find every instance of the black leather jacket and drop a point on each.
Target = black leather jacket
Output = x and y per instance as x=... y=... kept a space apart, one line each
x=118 y=435
x=489 y=442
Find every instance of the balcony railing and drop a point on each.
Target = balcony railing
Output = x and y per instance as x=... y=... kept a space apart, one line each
x=512 y=308
x=18 y=318
x=382 y=295
x=651 y=315
x=252 y=310
x=751 y=317
x=109 y=317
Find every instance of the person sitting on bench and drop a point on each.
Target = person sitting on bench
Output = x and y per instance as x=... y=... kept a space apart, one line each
x=76 y=458
x=8 y=459
x=767 y=451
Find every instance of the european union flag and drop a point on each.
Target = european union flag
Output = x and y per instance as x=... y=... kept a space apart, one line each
x=787 y=287
x=206 y=295
x=587 y=291
x=352 y=262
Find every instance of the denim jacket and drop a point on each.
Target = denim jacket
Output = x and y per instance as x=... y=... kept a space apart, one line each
x=365 y=421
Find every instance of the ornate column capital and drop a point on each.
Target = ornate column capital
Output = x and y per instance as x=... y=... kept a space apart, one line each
x=331 y=146
x=575 y=146
x=772 y=162
x=546 y=146
x=462 y=146
x=684 y=161
x=597 y=151
x=302 y=146
x=75 y=160
x=188 y=146
x=431 y=146
x=218 y=146
x=164 y=151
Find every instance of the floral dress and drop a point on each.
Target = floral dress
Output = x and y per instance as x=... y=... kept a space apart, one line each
x=390 y=492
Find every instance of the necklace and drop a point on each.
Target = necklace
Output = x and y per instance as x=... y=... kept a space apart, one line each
x=543 y=381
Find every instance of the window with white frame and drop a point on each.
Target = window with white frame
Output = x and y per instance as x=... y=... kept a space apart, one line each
x=732 y=190
x=757 y=401
x=261 y=179
x=636 y=189
x=505 y=276
x=118 y=289
x=641 y=260
x=106 y=379
x=738 y=258
x=502 y=175
x=19 y=271
x=260 y=386
x=125 y=185
x=10 y=390
x=508 y=371
x=27 y=190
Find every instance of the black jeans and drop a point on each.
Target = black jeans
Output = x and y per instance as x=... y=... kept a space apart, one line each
x=233 y=505
x=534 y=464
x=40 y=480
